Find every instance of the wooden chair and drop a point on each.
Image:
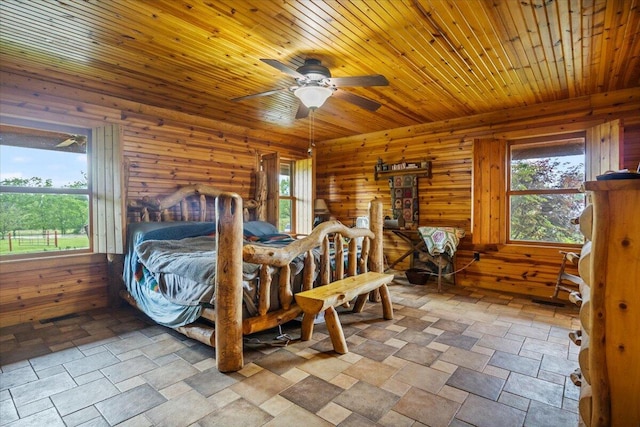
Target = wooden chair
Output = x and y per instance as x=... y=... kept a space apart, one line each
x=568 y=282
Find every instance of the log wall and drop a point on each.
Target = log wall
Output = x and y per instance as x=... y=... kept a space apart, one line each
x=631 y=152
x=345 y=179
x=42 y=289
x=163 y=150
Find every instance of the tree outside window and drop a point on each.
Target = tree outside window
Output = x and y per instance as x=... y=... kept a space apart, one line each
x=544 y=192
x=286 y=199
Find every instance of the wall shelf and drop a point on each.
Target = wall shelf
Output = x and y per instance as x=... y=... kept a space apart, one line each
x=383 y=169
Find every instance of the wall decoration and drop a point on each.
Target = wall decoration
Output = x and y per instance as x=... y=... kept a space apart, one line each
x=404 y=199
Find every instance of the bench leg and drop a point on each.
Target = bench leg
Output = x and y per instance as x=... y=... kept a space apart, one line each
x=385 y=298
x=335 y=331
x=387 y=306
x=361 y=300
x=307 y=327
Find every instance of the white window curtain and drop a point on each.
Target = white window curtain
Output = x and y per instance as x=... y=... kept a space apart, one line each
x=107 y=188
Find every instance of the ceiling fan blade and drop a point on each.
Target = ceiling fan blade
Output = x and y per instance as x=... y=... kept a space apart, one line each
x=67 y=142
x=358 y=100
x=280 y=66
x=73 y=139
x=256 y=95
x=374 y=80
x=302 y=112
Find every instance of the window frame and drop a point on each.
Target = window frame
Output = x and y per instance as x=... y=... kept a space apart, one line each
x=54 y=128
x=509 y=193
x=291 y=197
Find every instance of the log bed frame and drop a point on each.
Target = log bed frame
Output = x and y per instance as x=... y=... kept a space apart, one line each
x=226 y=317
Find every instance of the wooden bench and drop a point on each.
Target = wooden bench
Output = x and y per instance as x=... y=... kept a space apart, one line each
x=326 y=298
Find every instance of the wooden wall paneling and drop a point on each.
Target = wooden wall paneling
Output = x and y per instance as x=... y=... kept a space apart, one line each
x=15 y=289
x=524 y=270
x=163 y=157
x=42 y=99
x=162 y=150
x=488 y=168
x=345 y=176
x=482 y=190
x=631 y=147
x=45 y=288
x=504 y=123
x=603 y=148
x=186 y=144
x=40 y=104
x=499 y=175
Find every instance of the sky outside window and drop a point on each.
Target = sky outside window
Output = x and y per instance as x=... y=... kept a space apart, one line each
x=61 y=168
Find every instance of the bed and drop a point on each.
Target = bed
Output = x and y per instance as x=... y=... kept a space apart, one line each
x=229 y=273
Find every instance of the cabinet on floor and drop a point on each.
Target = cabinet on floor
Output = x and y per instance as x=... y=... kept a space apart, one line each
x=610 y=312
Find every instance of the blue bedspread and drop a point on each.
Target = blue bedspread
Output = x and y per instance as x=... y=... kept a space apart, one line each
x=170 y=267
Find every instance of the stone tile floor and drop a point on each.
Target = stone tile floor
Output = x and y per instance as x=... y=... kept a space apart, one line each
x=459 y=358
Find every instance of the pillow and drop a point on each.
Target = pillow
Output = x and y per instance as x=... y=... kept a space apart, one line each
x=259 y=228
x=269 y=238
x=176 y=231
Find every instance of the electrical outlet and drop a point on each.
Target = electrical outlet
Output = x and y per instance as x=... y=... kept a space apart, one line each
x=476 y=256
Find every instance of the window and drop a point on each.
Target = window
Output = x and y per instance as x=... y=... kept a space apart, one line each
x=44 y=191
x=538 y=205
x=544 y=190
x=289 y=193
x=286 y=200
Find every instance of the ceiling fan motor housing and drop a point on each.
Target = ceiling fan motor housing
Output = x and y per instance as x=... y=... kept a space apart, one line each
x=313 y=71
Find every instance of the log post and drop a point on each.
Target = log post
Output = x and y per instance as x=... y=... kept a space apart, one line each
x=338 y=245
x=184 y=209
x=203 y=207
x=325 y=266
x=376 y=225
x=228 y=283
x=309 y=268
x=261 y=195
x=352 y=263
x=264 y=293
x=376 y=258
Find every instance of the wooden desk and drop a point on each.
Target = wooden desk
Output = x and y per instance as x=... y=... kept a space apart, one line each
x=412 y=237
x=416 y=244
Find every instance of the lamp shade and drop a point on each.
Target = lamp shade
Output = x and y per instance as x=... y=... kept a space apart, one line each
x=313 y=96
x=320 y=207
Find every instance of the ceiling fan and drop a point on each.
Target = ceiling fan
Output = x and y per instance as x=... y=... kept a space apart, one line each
x=314 y=85
x=73 y=139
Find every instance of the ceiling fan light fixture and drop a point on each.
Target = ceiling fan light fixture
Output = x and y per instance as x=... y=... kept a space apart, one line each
x=313 y=96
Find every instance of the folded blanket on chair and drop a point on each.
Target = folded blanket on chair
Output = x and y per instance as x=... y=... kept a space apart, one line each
x=440 y=240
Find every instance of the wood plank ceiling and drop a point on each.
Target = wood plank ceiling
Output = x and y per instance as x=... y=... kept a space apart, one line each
x=443 y=58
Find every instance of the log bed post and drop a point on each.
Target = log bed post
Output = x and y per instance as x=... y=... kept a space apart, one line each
x=376 y=226
x=228 y=283
x=376 y=260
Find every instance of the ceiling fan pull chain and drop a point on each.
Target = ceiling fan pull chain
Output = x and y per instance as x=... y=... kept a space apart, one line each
x=312 y=142
x=310 y=149
x=313 y=119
